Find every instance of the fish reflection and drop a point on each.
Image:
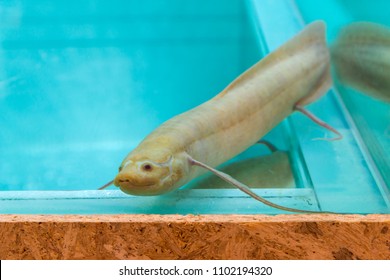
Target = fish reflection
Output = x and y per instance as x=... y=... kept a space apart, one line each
x=269 y=171
x=361 y=59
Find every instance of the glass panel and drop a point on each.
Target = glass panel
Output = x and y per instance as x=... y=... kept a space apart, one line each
x=370 y=114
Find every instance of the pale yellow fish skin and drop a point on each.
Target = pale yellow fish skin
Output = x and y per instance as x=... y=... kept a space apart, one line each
x=232 y=121
x=361 y=58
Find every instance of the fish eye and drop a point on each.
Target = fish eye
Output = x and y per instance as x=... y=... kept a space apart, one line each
x=147 y=167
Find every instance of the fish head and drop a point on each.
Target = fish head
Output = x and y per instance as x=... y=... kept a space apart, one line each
x=152 y=174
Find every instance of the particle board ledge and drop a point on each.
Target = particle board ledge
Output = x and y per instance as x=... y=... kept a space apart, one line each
x=324 y=236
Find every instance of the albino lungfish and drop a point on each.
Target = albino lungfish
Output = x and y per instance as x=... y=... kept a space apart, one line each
x=184 y=147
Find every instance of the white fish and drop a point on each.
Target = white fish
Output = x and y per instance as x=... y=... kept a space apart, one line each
x=183 y=147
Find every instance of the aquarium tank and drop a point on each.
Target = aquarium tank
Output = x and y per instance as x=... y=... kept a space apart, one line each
x=82 y=83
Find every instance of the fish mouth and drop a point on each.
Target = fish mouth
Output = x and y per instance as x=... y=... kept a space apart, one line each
x=132 y=188
x=128 y=183
x=141 y=190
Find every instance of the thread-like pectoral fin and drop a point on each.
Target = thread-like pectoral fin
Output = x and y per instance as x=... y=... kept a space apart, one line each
x=106 y=185
x=244 y=188
x=269 y=145
x=320 y=123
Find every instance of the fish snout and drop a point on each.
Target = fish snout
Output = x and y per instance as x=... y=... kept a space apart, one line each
x=128 y=180
x=143 y=177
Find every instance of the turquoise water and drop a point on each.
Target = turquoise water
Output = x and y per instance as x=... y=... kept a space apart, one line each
x=81 y=84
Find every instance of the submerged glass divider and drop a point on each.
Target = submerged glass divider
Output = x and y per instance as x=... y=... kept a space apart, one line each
x=340 y=171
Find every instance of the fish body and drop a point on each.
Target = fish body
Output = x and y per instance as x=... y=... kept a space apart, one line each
x=219 y=129
x=361 y=58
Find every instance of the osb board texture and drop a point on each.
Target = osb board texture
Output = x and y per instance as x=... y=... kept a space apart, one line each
x=195 y=237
